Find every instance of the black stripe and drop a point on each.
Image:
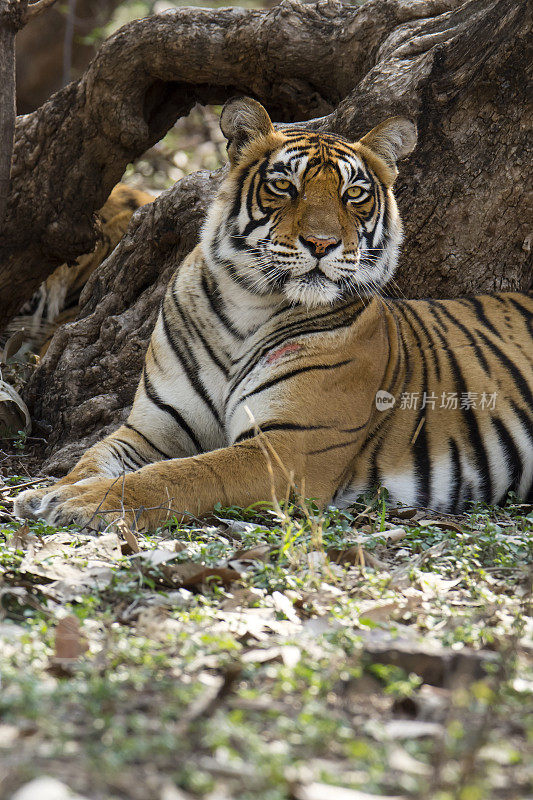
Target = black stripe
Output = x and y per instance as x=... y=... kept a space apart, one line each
x=457 y=475
x=137 y=457
x=477 y=305
x=524 y=312
x=156 y=400
x=331 y=447
x=512 y=456
x=280 y=426
x=191 y=368
x=219 y=311
x=476 y=441
x=420 y=449
x=525 y=419
x=120 y=455
x=291 y=374
x=413 y=311
x=207 y=347
x=517 y=376
x=147 y=440
x=475 y=346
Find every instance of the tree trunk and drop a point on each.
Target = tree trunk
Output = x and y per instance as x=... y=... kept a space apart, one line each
x=457 y=68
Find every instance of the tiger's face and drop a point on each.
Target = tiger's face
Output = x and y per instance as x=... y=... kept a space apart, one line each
x=307 y=216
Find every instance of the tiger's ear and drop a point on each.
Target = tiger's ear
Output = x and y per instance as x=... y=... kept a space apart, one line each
x=241 y=121
x=391 y=140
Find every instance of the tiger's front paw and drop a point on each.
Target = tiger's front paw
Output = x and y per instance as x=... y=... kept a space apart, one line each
x=90 y=504
x=28 y=504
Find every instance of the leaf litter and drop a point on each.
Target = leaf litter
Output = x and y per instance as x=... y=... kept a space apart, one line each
x=383 y=614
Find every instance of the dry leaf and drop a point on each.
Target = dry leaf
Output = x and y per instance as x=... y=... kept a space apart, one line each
x=241 y=598
x=412 y=729
x=13 y=345
x=262 y=655
x=285 y=606
x=403 y=513
x=171 y=792
x=324 y=791
x=386 y=611
x=69 y=641
x=400 y=577
x=356 y=555
x=46 y=788
x=260 y=552
x=131 y=545
x=392 y=535
x=445 y=524
x=401 y=760
x=21 y=539
x=433 y=585
x=153 y=558
x=14 y=414
x=189 y=575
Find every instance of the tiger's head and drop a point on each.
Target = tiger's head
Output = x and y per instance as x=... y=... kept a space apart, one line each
x=308 y=216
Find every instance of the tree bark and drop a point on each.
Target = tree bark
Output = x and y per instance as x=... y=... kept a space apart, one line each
x=11 y=19
x=14 y=14
x=457 y=68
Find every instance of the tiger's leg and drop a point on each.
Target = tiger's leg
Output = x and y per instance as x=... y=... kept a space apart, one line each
x=124 y=451
x=238 y=474
x=151 y=434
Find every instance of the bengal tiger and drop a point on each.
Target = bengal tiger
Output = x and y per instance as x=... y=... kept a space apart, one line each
x=276 y=361
x=56 y=301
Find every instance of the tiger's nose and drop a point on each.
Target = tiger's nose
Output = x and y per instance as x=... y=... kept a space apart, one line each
x=318 y=245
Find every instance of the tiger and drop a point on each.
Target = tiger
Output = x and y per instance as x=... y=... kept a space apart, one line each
x=56 y=301
x=278 y=364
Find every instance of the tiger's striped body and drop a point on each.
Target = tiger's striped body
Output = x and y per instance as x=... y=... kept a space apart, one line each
x=253 y=333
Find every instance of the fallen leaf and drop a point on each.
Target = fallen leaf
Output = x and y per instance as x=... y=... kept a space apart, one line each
x=14 y=414
x=262 y=655
x=171 y=792
x=13 y=345
x=325 y=791
x=189 y=574
x=446 y=524
x=131 y=544
x=402 y=761
x=356 y=555
x=8 y=735
x=412 y=729
x=241 y=598
x=403 y=513
x=70 y=644
x=46 y=788
x=154 y=558
x=260 y=552
x=400 y=577
x=392 y=535
x=433 y=585
x=236 y=526
x=284 y=606
x=386 y=611
x=21 y=539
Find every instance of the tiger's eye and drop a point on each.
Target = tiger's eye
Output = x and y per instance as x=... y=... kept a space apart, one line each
x=355 y=193
x=281 y=184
